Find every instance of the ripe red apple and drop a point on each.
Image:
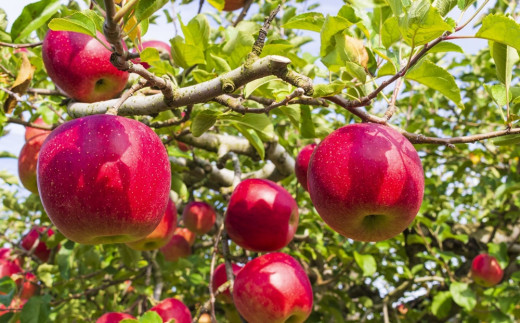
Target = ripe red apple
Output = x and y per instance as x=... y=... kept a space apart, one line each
x=8 y=268
x=199 y=217
x=113 y=317
x=220 y=277
x=302 y=165
x=273 y=288
x=29 y=287
x=162 y=233
x=261 y=215
x=7 y=255
x=28 y=160
x=187 y=234
x=33 y=132
x=177 y=247
x=104 y=179
x=486 y=271
x=173 y=309
x=366 y=181
x=161 y=46
x=41 y=251
x=231 y=5
x=80 y=66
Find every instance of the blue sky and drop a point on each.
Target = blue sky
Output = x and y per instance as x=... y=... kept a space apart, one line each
x=14 y=141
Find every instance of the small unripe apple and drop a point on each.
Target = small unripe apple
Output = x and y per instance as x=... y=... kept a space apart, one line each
x=220 y=277
x=231 y=5
x=80 y=66
x=486 y=270
x=187 y=234
x=41 y=251
x=273 y=288
x=366 y=181
x=28 y=160
x=162 y=233
x=199 y=217
x=104 y=179
x=176 y=248
x=33 y=132
x=302 y=165
x=173 y=309
x=113 y=317
x=161 y=46
x=261 y=215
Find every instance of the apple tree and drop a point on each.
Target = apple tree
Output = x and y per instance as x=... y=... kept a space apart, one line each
x=172 y=184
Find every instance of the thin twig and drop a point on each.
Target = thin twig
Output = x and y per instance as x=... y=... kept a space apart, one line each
x=262 y=34
x=391 y=107
x=134 y=88
x=29 y=45
x=243 y=13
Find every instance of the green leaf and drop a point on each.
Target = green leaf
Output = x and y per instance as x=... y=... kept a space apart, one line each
x=128 y=255
x=197 y=32
x=252 y=86
x=150 y=55
x=390 y=32
x=219 y=4
x=322 y=90
x=259 y=122
x=312 y=21
x=500 y=29
x=146 y=8
x=307 y=125
x=422 y=23
x=36 y=310
x=203 y=121
x=331 y=27
x=8 y=177
x=505 y=58
x=150 y=317
x=437 y=78
x=33 y=16
x=499 y=251
x=441 y=304
x=78 y=22
x=463 y=295
x=357 y=71
x=179 y=187
x=444 y=6
x=366 y=262
x=186 y=55
x=446 y=46
x=498 y=94
x=7 y=289
x=45 y=274
x=507 y=140
x=253 y=138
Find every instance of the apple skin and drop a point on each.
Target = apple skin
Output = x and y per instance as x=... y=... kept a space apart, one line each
x=162 y=233
x=261 y=215
x=29 y=287
x=114 y=179
x=199 y=217
x=33 y=132
x=187 y=234
x=161 y=46
x=220 y=277
x=7 y=255
x=80 y=66
x=231 y=5
x=9 y=268
x=173 y=309
x=28 y=160
x=113 y=317
x=486 y=271
x=366 y=181
x=176 y=248
x=205 y=318
x=273 y=288
x=302 y=165
x=41 y=251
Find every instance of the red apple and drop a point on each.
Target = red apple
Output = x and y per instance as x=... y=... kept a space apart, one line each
x=33 y=132
x=366 y=181
x=205 y=318
x=7 y=255
x=16 y=305
x=173 y=309
x=162 y=233
x=29 y=287
x=176 y=248
x=199 y=217
x=28 y=160
x=220 y=277
x=104 y=179
x=161 y=46
x=113 y=317
x=80 y=66
x=231 y=5
x=302 y=165
x=486 y=271
x=273 y=288
x=183 y=147
x=187 y=234
x=8 y=268
x=261 y=215
x=41 y=251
